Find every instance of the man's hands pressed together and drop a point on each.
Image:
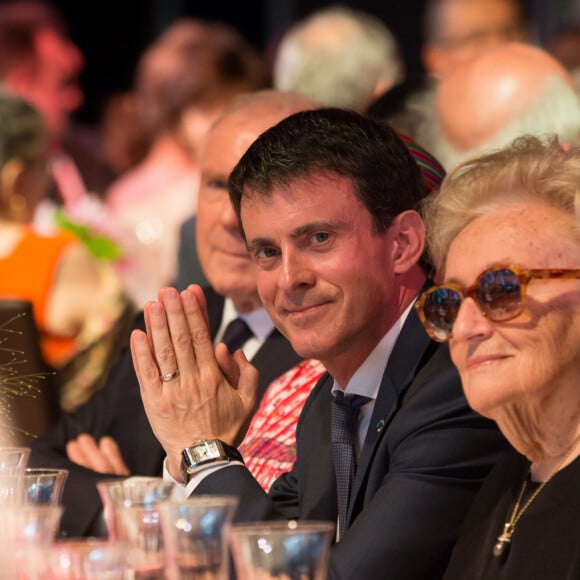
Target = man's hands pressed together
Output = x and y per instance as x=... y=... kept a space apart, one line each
x=214 y=392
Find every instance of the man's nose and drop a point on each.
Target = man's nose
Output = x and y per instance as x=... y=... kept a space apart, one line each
x=296 y=270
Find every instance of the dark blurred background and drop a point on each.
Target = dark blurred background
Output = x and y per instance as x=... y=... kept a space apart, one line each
x=112 y=33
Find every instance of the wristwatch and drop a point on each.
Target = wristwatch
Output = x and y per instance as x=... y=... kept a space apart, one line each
x=203 y=453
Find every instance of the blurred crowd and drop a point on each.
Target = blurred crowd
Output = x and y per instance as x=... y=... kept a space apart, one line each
x=95 y=221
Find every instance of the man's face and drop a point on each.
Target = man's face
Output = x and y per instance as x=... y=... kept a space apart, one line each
x=52 y=87
x=324 y=276
x=221 y=249
x=470 y=27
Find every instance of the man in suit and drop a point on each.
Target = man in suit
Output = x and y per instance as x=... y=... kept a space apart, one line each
x=327 y=201
x=110 y=435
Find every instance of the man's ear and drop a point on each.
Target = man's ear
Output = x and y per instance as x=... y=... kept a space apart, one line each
x=408 y=238
x=433 y=57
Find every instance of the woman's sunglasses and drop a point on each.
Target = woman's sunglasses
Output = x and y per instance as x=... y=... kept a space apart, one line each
x=499 y=292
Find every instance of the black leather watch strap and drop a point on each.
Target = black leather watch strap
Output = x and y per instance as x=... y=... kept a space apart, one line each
x=205 y=452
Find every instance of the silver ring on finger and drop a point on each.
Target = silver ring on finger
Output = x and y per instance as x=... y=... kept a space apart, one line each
x=169 y=376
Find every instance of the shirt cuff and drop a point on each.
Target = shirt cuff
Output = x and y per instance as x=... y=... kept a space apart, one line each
x=183 y=491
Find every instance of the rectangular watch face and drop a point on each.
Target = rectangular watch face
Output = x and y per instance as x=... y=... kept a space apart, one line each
x=212 y=449
x=207 y=450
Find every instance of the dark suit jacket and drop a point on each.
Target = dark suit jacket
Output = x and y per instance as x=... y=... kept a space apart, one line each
x=423 y=459
x=188 y=267
x=117 y=410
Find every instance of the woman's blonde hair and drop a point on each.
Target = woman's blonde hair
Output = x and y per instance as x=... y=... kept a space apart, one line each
x=529 y=169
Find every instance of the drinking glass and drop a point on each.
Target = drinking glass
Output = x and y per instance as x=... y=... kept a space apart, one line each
x=194 y=537
x=23 y=529
x=75 y=559
x=42 y=485
x=29 y=523
x=281 y=550
x=13 y=461
x=132 y=516
x=131 y=491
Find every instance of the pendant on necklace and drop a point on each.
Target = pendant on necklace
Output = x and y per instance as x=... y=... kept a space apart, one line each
x=503 y=541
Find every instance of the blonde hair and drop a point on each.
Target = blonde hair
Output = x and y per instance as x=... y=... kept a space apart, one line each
x=528 y=170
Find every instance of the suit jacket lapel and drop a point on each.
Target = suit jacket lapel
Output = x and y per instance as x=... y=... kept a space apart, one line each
x=401 y=368
x=318 y=499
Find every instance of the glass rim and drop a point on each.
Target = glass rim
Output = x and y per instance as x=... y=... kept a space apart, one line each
x=42 y=470
x=32 y=507
x=277 y=526
x=203 y=500
x=12 y=448
x=134 y=479
x=88 y=541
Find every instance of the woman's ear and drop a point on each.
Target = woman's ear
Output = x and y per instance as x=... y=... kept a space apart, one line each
x=408 y=231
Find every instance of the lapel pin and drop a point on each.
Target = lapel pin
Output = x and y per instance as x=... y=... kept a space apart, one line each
x=380 y=425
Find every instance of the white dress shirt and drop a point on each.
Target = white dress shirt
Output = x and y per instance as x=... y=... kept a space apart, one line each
x=258 y=321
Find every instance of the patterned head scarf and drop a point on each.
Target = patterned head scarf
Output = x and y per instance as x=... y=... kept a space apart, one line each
x=432 y=172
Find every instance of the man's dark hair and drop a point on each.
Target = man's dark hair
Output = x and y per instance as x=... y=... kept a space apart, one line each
x=385 y=176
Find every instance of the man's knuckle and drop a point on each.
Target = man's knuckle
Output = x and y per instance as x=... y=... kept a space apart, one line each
x=182 y=341
x=200 y=336
x=150 y=374
x=165 y=354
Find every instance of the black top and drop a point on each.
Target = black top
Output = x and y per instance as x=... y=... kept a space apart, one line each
x=546 y=541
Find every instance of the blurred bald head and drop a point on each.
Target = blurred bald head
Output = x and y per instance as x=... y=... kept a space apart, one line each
x=221 y=249
x=457 y=31
x=511 y=90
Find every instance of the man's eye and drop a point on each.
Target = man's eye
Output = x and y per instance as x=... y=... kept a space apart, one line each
x=266 y=253
x=320 y=237
x=217 y=183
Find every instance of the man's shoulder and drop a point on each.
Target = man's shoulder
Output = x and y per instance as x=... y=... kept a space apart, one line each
x=416 y=356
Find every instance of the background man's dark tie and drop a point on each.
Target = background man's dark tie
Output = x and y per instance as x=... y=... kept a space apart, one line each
x=343 y=432
x=236 y=334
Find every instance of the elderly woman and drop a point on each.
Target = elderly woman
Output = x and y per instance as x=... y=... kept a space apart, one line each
x=505 y=237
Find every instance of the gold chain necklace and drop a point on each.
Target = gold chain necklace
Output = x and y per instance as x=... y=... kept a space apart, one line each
x=504 y=539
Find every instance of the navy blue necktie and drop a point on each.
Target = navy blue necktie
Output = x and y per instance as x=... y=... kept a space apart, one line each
x=236 y=334
x=343 y=432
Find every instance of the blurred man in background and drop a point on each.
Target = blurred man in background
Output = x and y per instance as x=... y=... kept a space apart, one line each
x=340 y=57
x=40 y=63
x=456 y=31
x=512 y=90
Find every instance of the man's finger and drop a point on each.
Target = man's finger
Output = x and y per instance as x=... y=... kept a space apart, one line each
x=198 y=328
x=179 y=339
x=111 y=451
x=227 y=364
x=146 y=367
x=248 y=380
x=75 y=454
x=85 y=452
x=160 y=339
